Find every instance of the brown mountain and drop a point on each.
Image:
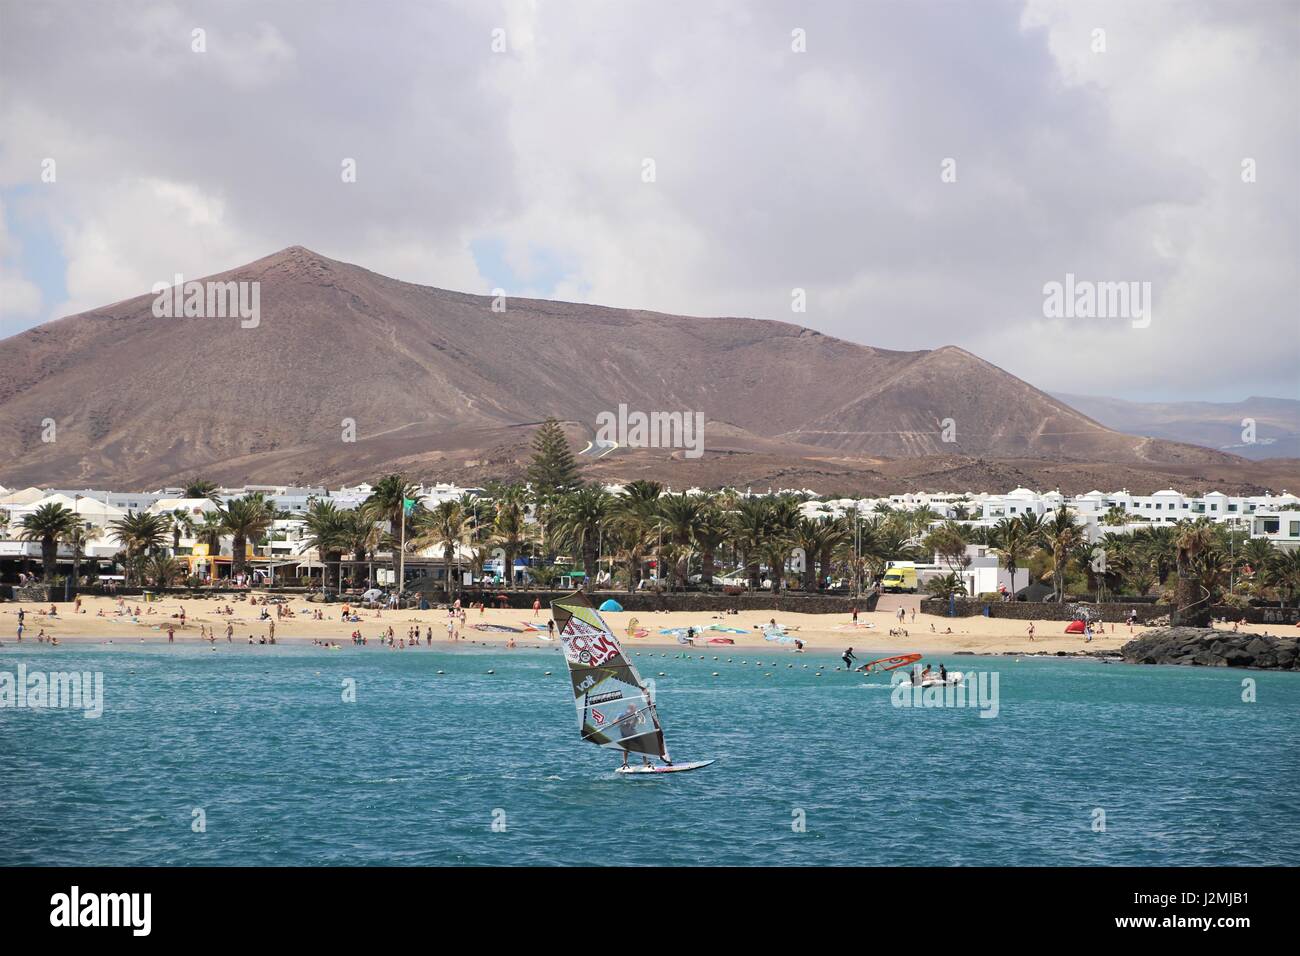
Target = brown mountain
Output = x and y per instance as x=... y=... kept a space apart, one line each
x=437 y=382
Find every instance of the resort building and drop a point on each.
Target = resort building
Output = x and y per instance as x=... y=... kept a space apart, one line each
x=285 y=552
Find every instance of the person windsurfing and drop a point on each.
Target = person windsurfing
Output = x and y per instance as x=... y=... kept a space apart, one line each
x=848 y=659
x=627 y=724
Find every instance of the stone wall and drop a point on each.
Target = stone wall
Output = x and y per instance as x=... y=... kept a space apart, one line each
x=644 y=601
x=39 y=593
x=1257 y=615
x=1112 y=612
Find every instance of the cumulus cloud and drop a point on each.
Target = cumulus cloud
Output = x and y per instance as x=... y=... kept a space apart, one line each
x=526 y=128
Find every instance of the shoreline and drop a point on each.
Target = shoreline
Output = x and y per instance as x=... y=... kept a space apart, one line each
x=824 y=633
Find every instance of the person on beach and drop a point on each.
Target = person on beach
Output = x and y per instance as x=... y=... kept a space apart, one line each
x=855 y=614
x=848 y=659
x=550 y=628
x=1031 y=630
x=171 y=634
x=537 y=606
x=902 y=614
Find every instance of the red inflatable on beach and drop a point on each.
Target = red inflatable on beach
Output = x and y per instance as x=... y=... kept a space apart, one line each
x=1075 y=627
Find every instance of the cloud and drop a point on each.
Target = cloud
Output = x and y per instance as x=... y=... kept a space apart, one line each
x=774 y=169
x=20 y=299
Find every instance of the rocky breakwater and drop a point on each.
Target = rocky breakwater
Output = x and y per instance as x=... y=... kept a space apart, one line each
x=1206 y=647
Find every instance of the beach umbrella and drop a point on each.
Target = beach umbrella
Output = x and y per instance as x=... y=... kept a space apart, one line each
x=611 y=605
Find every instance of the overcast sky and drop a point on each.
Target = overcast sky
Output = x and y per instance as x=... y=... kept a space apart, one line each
x=774 y=168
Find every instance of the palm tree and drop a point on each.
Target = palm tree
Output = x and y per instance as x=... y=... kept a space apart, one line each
x=245 y=519
x=679 y=516
x=1254 y=555
x=580 y=517
x=139 y=534
x=200 y=488
x=363 y=534
x=633 y=521
x=1013 y=546
x=1283 y=572
x=710 y=533
x=1159 y=546
x=1191 y=539
x=386 y=500
x=810 y=536
x=749 y=527
x=1060 y=535
x=181 y=524
x=163 y=570
x=837 y=538
x=921 y=519
x=783 y=520
x=1032 y=523
x=443 y=526
x=81 y=534
x=510 y=530
x=48 y=524
x=329 y=531
x=945 y=585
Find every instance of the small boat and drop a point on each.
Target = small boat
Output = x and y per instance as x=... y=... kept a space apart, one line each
x=934 y=680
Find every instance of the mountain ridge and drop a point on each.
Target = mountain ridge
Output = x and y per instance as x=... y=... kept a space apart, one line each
x=136 y=397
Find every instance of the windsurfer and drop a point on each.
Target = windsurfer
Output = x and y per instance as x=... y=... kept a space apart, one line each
x=848 y=659
x=627 y=723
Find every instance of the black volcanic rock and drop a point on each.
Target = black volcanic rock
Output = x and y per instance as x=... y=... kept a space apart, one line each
x=1206 y=647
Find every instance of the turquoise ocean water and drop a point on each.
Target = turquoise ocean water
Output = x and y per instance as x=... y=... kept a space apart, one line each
x=472 y=768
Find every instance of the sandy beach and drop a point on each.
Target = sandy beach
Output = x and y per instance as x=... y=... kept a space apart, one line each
x=820 y=632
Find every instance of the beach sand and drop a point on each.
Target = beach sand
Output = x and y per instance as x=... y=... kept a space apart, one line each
x=819 y=632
